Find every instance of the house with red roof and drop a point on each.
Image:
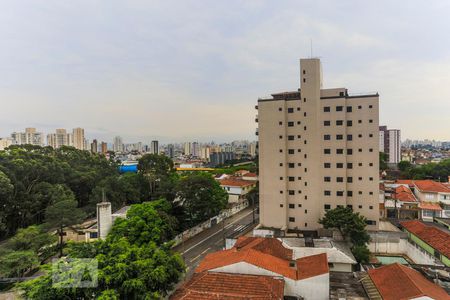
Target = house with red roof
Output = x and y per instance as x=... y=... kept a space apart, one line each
x=236 y=188
x=306 y=277
x=436 y=194
x=399 y=282
x=431 y=239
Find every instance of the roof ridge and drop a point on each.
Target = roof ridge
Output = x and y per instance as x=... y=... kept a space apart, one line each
x=401 y=267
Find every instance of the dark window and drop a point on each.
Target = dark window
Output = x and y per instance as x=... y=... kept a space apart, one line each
x=359 y=121
x=306 y=197
x=291 y=192
x=326 y=123
x=370 y=207
x=339 y=136
x=290 y=110
x=299 y=164
x=327 y=179
x=291 y=137
x=326 y=109
x=327 y=165
x=349 y=137
x=327 y=193
x=290 y=124
x=280 y=123
x=304 y=128
x=359 y=178
x=304 y=99
x=339 y=165
x=349 y=165
x=281 y=150
x=292 y=219
x=291 y=151
x=298 y=108
x=370 y=164
x=327 y=206
x=327 y=137
x=349 y=151
x=281 y=178
x=360 y=150
x=359 y=206
x=291 y=178
x=359 y=106
x=340 y=179
x=350 y=206
x=359 y=164
x=291 y=205
x=291 y=165
x=281 y=192
x=360 y=192
x=370 y=106
x=370 y=193
x=370 y=135
x=339 y=151
x=280 y=136
x=327 y=151
x=306 y=170
x=305 y=142
x=339 y=108
x=299 y=205
x=280 y=109
x=306 y=224
x=371 y=222
x=304 y=72
x=370 y=121
x=349 y=109
x=371 y=178
x=360 y=135
x=370 y=150
x=349 y=193
x=339 y=122
x=349 y=179
x=304 y=114
x=281 y=205
x=339 y=193
x=306 y=211
x=298 y=122
x=349 y=123
x=281 y=164
x=304 y=79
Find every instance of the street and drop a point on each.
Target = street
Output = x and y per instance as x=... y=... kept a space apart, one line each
x=212 y=239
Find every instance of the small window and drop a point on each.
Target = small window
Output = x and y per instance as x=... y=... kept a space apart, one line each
x=327 y=165
x=327 y=137
x=327 y=179
x=298 y=122
x=327 y=193
x=304 y=72
x=359 y=178
x=281 y=150
x=280 y=123
x=370 y=164
x=350 y=206
x=339 y=108
x=349 y=151
x=349 y=179
x=281 y=192
x=340 y=179
x=291 y=192
x=290 y=110
x=326 y=109
x=370 y=193
x=305 y=142
x=281 y=164
x=306 y=197
x=304 y=79
x=349 y=123
x=304 y=114
x=349 y=165
x=298 y=108
x=360 y=164
x=339 y=136
x=281 y=178
x=291 y=205
x=360 y=192
x=280 y=109
x=349 y=193
x=359 y=206
x=370 y=207
x=339 y=193
x=359 y=106
x=349 y=137
x=291 y=178
x=327 y=206
x=326 y=123
x=339 y=122
x=306 y=211
x=349 y=109
x=360 y=135
x=290 y=124
x=299 y=205
x=370 y=106
x=291 y=137
x=306 y=224
x=370 y=135
x=370 y=121
x=280 y=137
x=370 y=150
x=339 y=165
x=292 y=219
x=304 y=128
x=291 y=165
x=327 y=151
x=359 y=121
x=281 y=205
x=371 y=178
x=360 y=150
x=291 y=151
x=339 y=151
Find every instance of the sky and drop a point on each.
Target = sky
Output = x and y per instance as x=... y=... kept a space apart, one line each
x=193 y=70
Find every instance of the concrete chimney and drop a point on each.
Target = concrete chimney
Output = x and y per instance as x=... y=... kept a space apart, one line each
x=104 y=219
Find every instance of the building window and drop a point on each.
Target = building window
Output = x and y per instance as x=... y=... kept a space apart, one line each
x=292 y=219
x=291 y=205
x=339 y=151
x=339 y=193
x=370 y=150
x=306 y=211
x=340 y=179
x=299 y=205
x=370 y=135
x=359 y=121
x=371 y=178
x=349 y=165
x=359 y=206
x=291 y=178
x=305 y=142
x=359 y=178
x=370 y=106
x=299 y=164
x=359 y=106
x=349 y=137
x=349 y=151
x=349 y=123
x=360 y=164
x=360 y=135
x=290 y=124
x=306 y=224
x=304 y=99
x=281 y=150
x=290 y=110
x=339 y=165
x=339 y=137
x=298 y=122
x=306 y=183
x=349 y=179
x=280 y=109
x=326 y=123
x=349 y=109
x=304 y=128
x=281 y=192
x=306 y=197
x=370 y=164
x=339 y=122
x=281 y=178
x=339 y=108
x=327 y=193
x=327 y=137
x=281 y=164
x=327 y=151
x=360 y=192
x=291 y=192
x=280 y=123
x=370 y=121
x=370 y=193
x=360 y=150
x=290 y=137
x=371 y=222
x=304 y=79
x=370 y=207
x=327 y=179
x=326 y=109
x=350 y=206
x=280 y=136
x=291 y=151
x=327 y=206
x=327 y=165
x=281 y=205
x=291 y=165
x=349 y=193
x=304 y=114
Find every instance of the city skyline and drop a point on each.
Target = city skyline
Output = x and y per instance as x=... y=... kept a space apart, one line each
x=128 y=66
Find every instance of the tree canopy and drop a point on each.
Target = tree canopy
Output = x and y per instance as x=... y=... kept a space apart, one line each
x=436 y=171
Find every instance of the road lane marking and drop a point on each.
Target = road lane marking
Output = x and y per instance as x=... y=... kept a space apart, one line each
x=226 y=227
x=205 y=250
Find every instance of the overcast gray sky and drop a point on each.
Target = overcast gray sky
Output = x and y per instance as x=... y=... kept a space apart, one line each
x=180 y=70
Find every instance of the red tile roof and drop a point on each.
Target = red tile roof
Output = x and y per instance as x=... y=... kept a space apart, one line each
x=405 y=181
x=235 y=182
x=250 y=175
x=404 y=194
x=430 y=206
x=431 y=186
x=208 y=285
x=431 y=235
x=267 y=255
x=398 y=282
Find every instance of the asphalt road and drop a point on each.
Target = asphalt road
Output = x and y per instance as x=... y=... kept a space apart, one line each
x=213 y=239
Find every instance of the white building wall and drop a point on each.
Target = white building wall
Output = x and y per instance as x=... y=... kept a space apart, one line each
x=402 y=247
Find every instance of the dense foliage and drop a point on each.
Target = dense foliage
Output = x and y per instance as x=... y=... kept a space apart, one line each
x=436 y=171
x=134 y=262
x=352 y=226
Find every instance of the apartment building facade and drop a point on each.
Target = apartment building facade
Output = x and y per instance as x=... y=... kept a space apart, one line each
x=318 y=149
x=390 y=143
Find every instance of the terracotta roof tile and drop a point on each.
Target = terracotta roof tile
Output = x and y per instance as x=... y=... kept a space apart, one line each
x=431 y=235
x=398 y=282
x=430 y=206
x=209 y=285
x=431 y=186
x=404 y=194
x=235 y=182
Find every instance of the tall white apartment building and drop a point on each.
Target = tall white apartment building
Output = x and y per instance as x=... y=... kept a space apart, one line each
x=30 y=136
x=318 y=149
x=118 y=144
x=390 y=143
x=187 y=148
x=59 y=138
x=78 y=138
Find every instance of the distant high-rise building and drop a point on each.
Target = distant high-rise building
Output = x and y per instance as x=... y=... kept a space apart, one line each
x=59 y=138
x=4 y=143
x=118 y=144
x=154 y=147
x=390 y=144
x=318 y=150
x=170 y=151
x=253 y=148
x=94 y=146
x=187 y=148
x=78 y=138
x=195 y=150
x=205 y=152
x=30 y=136
x=104 y=147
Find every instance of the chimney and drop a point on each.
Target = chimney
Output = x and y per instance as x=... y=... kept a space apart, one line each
x=104 y=219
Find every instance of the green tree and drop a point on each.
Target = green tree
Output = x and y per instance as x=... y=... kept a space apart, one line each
x=351 y=225
x=17 y=263
x=6 y=201
x=200 y=197
x=383 y=161
x=33 y=238
x=63 y=212
x=404 y=166
x=158 y=170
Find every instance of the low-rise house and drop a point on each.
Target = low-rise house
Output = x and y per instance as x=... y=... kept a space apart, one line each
x=399 y=282
x=236 y=188
x=306 y=277
x=429 y=238
x=434 y=192
x=250 y=176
